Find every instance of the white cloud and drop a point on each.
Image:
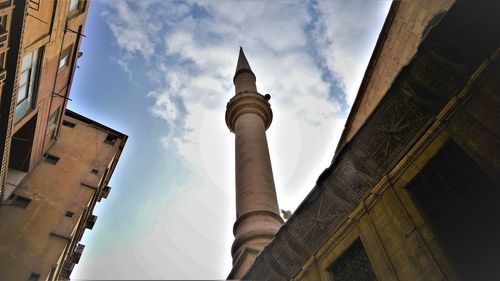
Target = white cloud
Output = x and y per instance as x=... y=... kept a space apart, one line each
x=164 y=105
x=130 y=29
x=191 y=49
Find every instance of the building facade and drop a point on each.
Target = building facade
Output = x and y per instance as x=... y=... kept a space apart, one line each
x=411 y=193
x=44 y=218
x=55 y=163
x=43 y=42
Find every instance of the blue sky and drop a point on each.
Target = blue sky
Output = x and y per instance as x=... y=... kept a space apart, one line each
x=161 y=72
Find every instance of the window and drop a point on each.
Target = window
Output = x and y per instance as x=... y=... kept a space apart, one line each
x=68 y=124
x=3 y=22
x=19 y=201
x=52 y=159
x=95 y=172
x=110 y=139
x=66 y=57
x=69 y=214
x=3 y=72
x=74 y=5
x=64 y=61
x=34 y=276
x=53 y=119
x=353 y=265
x=3 y=30
x=27 y=83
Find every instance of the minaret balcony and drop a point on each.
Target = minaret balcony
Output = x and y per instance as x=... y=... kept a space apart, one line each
x=248 y=102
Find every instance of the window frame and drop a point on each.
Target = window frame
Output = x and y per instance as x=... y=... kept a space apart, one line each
x=30 y=86
x=73 y=5
x=74 y=10
x=53 y=120
x=67 y=54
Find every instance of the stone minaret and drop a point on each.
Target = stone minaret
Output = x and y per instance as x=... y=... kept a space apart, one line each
x=248 y=115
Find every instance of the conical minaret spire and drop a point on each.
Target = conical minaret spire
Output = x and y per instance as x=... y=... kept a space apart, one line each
x=244 y=79
x=242 y=65
x=248 y=115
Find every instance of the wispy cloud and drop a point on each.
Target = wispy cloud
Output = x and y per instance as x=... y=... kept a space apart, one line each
x=135 y=36
x=344 y=35
x=309 y=55
x=194 y=54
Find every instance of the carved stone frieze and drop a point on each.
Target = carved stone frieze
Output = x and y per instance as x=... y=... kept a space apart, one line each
x=287 y=253
x=317 y=222
x=431 y=80
x=353 y=177
x=389 y=131
x=266 y=269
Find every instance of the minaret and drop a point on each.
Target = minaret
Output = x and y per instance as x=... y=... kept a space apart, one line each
x=248 y=115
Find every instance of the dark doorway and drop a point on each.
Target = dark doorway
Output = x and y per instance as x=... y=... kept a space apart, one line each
x=21 y=145
x=460 y=203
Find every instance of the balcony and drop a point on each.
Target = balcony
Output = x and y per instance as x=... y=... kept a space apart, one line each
x=105 y=191
x=77 y=254
x=91 y=221
x=67 y=269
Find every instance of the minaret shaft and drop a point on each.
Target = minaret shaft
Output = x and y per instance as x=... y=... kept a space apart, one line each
x=245 y=82
x=254 y=177
x=248 y=116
